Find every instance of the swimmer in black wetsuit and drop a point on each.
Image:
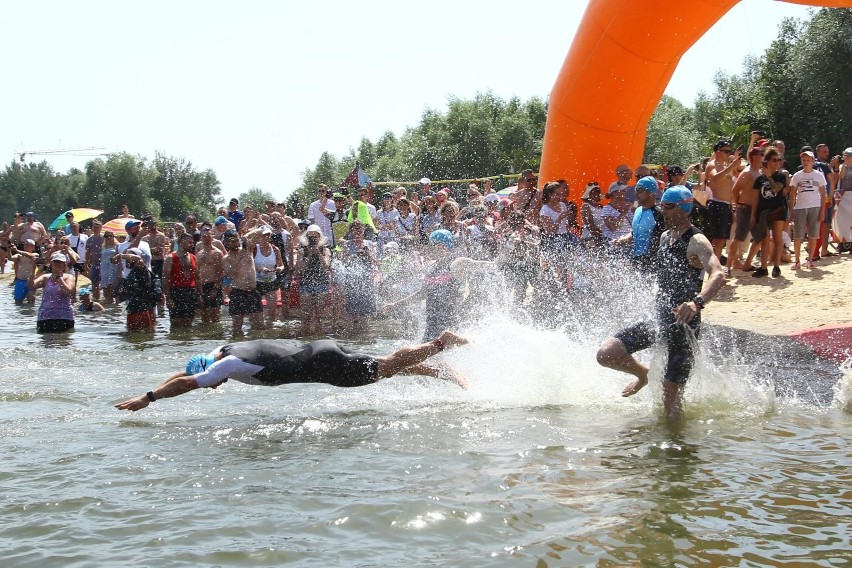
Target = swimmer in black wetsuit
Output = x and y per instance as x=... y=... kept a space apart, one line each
x=271 y=363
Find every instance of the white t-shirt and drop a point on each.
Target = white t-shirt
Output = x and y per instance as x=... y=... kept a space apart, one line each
x=807 y=188
x=146 y=255
x=78 y=243
x=623 y=228
x=387 y=218
x=317 y=217
x=547 y=211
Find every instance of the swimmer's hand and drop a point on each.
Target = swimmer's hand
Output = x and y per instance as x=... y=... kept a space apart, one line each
x=134 y=404
x=685 y=312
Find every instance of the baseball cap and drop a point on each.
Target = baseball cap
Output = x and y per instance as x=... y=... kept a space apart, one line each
x=198 y=363
x=339 y=196
x=808 y=153
x=648 y=183
x=393 y=245
x=425 y=181
x=678 y=195
x=59 y=257
x=29 y=242
x=234 y=200
x=132 y=223
x=674 y=171
x=220 y=220
x=721 y=143
x=313 y=229
x=229 y=234
x=387 y=195
x=756 y=151
x=442 y=237
x=266 y=230
x=29 y=214
x=846 y=152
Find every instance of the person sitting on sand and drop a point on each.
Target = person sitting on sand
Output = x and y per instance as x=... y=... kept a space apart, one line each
x=683 y=256
x=273 y=362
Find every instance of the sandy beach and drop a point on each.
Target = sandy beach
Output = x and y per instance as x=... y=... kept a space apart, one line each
x=798 y=300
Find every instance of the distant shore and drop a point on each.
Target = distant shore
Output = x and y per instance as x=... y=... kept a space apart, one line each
x=799 y=300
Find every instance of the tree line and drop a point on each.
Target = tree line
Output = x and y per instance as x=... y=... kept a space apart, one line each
x=798 y=90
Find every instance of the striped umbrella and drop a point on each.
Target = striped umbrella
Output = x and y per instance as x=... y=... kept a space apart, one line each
x=117 y=225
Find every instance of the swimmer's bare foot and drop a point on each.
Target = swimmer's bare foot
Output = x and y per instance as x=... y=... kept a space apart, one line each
x=449 y=339
x=634 y=387
x=447 y=373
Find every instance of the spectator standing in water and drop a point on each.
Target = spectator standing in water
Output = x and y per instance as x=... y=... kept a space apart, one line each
x=56 y=312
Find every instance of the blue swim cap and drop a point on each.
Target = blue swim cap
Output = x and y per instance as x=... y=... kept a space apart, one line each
x=678 y=195
x=648 y=183
x=198 y=363
x=442 y=237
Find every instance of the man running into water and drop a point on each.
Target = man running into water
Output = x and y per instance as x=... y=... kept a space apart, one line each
x=682 y=258
x=271 y=363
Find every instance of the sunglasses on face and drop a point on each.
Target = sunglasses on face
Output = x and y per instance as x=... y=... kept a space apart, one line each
x=668 y=206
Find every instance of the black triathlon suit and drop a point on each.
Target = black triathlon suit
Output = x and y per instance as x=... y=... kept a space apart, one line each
x=679 y=282
x=276 y=362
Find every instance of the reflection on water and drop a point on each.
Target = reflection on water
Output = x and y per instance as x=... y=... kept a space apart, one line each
x=540 y=463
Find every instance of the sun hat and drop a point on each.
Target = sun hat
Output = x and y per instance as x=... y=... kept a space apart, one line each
x=680 y=196
x=589 y=187
x=198 y=363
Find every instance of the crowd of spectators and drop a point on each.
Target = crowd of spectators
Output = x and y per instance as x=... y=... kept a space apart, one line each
x=360 y=254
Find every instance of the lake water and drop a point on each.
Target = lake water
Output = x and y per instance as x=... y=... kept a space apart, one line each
x=541 y=463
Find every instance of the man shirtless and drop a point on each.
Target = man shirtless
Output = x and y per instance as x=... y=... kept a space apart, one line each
x=24 y=263
x=211 y=270
x=240 y=269
x=274 y=362
x=719 y=179
x=741 y=197
x=31 y=229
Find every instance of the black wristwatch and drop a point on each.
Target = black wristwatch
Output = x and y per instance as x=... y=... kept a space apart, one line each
x=699 y=302
x=150 y=395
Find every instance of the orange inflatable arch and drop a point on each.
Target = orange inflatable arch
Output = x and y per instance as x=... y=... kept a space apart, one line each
x=615 y=73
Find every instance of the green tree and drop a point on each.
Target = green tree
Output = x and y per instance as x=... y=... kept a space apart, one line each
x=118 y=180
x=34 y=187
x=181 y=190
x=672 y=137
x=256 y=198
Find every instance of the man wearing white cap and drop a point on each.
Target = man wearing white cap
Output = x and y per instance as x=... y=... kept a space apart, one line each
x=807 y=200
x=682 y=258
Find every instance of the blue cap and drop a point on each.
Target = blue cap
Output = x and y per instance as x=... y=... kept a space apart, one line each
x=442 y=237
x=29 y=214
x=648 y=183
x=131 y=223
x=198 y=363
x=220 y=220
x=678 y=195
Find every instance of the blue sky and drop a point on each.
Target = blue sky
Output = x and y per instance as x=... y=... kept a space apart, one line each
x=257 y=90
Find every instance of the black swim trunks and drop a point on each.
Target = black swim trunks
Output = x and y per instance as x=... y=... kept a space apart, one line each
x=644 y=334
x=720 y=217
x=244 y=302
x=185 y=302
x=212 y=296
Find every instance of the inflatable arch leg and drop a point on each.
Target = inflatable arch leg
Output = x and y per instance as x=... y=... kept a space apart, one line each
x=615 y=73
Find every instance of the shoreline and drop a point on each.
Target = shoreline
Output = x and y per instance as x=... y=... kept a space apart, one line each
x=796 y=302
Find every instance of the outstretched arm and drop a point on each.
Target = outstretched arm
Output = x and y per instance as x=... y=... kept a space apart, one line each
x=174 y=386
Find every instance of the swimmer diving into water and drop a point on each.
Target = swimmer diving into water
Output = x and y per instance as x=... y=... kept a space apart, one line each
x=271 y=363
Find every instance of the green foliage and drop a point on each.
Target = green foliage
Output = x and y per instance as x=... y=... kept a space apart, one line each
x=256 y=198
x=672 y=137
x=168 y=188
x=473 y=138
